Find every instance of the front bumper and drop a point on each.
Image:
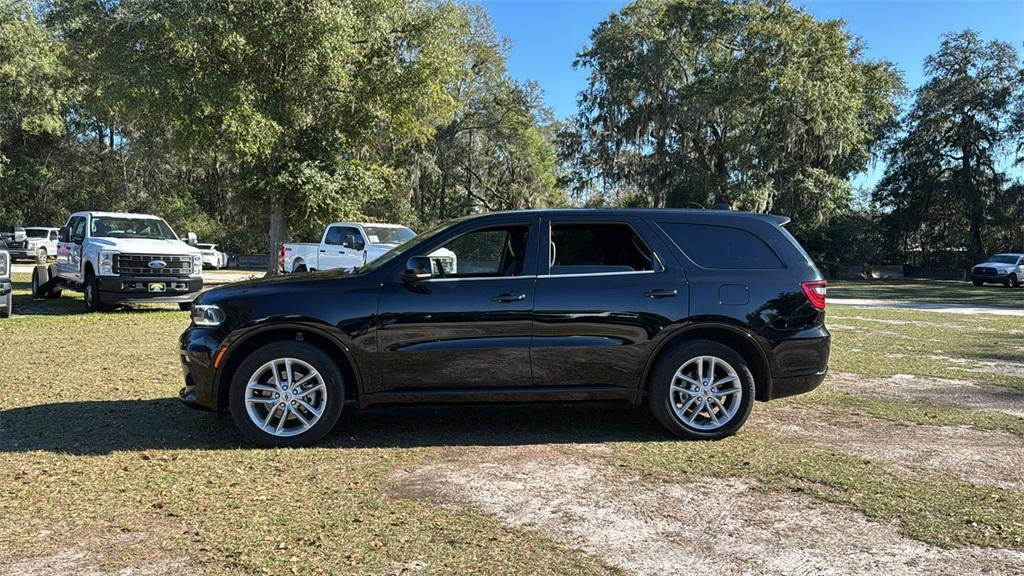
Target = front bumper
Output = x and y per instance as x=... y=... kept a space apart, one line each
x=197 y=350
x=5 y=287
x=22 y=253
x=989 y=277
x=136 y=289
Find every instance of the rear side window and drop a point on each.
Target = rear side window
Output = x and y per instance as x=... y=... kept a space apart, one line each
x=721 y=247
x=598 y=248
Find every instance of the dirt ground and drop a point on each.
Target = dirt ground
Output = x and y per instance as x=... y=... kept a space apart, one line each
x=727 y=526
x=960 y=393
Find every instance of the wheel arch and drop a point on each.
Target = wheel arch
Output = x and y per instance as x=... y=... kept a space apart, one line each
x=737 y=338
x=240 y=349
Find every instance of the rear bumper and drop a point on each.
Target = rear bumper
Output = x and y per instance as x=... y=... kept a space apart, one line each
x=123 y=290
x=801 y=364
x=783 y=387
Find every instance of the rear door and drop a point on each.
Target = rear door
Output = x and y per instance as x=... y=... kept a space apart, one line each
x=604 y=295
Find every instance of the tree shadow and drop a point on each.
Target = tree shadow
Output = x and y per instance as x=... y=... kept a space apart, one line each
x=103 y=427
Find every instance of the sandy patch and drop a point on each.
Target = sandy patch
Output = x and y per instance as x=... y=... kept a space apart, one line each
x=983 y=457
x=956 y=393
x=720 y=525
x=79 y=562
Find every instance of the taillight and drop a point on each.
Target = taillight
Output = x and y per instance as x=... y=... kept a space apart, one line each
x=815 y=292
x=280 y=255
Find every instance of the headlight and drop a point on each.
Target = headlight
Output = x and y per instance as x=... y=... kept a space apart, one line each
x=106 y=263
x=207 y=315
x=197 y=264
x=5 y=264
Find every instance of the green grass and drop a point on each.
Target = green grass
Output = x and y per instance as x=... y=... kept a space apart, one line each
x=98 y=454
x=929 y=291
x=982 y=348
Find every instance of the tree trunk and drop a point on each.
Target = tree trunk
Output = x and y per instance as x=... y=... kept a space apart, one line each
x=278 y=234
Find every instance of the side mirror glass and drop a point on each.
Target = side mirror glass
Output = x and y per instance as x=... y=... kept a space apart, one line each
x=64 y=234
x=192 y=238
x=417 y=269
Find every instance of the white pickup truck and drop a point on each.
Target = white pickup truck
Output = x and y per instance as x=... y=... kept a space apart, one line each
x=117 y=258
x=349 y=245
x=39 y=244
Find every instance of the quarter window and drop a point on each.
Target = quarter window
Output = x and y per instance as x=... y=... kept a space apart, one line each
x=598 y=249
x=721 y=247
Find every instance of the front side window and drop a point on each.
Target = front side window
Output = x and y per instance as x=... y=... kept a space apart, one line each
x=721 y=247
x=498 y=251
x=77 y=227
x=598 y=249
x=337 y=234
x=122 y=227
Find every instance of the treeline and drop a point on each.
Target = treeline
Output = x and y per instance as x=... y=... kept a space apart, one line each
x=258 y=121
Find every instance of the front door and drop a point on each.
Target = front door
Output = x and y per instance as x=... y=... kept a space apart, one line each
x=470 y=325
x=608 y=292
x=338 y=249
x=69 y=254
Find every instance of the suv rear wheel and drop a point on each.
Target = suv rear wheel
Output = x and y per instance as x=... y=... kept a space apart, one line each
x=701 y=390
x=286 y=394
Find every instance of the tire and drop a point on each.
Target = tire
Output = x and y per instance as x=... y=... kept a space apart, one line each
x=299 y=269
x=57 y=290
x=91 y=291
x=184 y=306
x=40 y=276
x=682 y=411
x=1012 y=280
x=977 y=282
x=8 y=308
x=294 y=431
x=42 y=257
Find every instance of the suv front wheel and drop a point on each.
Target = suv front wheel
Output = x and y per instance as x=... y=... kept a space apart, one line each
x=286 y=394
x=701 y=390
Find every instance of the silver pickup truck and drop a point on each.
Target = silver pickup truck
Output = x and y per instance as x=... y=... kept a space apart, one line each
x=6 y=296
x=39 y=244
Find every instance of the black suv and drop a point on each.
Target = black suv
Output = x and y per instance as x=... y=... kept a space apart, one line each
x=695 y=312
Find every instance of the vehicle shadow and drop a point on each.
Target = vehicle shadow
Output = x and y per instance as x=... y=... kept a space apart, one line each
x=67 y=305
x=103 y=427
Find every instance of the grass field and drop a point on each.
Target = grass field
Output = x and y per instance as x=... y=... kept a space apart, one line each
x=103 y=470
x=929 y=291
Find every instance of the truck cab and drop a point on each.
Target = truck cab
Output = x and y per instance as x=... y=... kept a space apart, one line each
x=120 y=258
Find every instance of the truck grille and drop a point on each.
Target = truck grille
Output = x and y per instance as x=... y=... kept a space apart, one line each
x=984 y=271
x=138 y=265
x=18 y=245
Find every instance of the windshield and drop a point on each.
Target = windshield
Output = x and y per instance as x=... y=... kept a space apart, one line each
x=401 y=248
x=1004 y=258
x=121 y=227
x=37 y=232
x=388 y=234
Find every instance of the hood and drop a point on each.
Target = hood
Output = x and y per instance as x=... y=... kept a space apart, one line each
x=145 y=246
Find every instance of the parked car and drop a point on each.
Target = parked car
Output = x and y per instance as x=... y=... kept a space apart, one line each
x=39 y=244
x=349 y=245
x=1006 y=269
x=212 y=256
x=695 y=313
x=6 y=289
x=118 y=258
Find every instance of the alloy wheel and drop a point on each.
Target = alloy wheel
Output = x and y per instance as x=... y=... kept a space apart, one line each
x=705 y=393
x=285 y=397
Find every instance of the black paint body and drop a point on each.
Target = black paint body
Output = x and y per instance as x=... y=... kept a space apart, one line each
x=575 y=337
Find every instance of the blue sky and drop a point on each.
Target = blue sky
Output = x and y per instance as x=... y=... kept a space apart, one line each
x=546 y=36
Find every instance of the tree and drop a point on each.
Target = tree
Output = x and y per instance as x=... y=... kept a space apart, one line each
x=753 y=103
x=32 y=97
x=297 y=99
x=944 y=176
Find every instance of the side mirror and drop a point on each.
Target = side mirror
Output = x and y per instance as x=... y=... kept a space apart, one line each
x=192 y=238
x=353 y=242
x=64 y=234
x=417 y=268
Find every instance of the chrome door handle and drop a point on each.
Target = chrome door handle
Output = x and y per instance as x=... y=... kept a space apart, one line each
x=508 y=297
x=659 y=293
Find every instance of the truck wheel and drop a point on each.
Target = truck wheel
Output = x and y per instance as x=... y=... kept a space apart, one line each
x=56 y=291
x=1012 y=281
x=40 y=276
x=92 y=294
x=286 y=394
x=5 y=312
x=42 y=256
x=300 y=268
x=701 y=390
